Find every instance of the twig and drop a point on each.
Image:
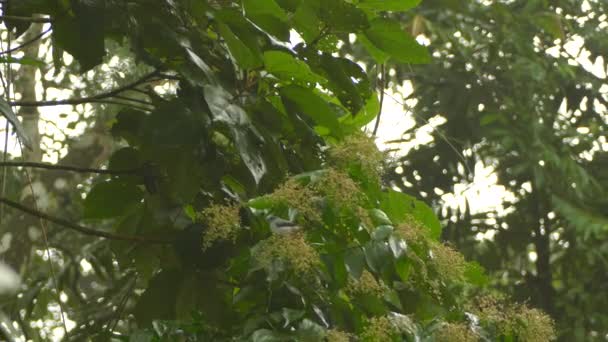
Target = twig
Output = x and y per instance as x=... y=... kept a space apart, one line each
x=82 y=229
x=26 y=43
x=383 y=86
x=82 y=100
x=27 y=19
x=67 y=168
x=127 y=98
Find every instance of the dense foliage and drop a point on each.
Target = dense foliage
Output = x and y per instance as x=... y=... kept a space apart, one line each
x=221 y=123
x=511 y=82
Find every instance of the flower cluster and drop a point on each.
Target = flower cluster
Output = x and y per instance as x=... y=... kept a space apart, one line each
x=365 y=285
x=450 y=264
x=358 y=149
x=526 y=323
x=291 y=249
x=456 y=332
x=338 y=187
x=379 y=329
x=297 y=196
x=222 y=221
x=334 y=335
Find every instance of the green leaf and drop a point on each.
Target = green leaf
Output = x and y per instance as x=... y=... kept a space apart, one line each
x=246 y=138
x=111 y=199
x=347 y=81
x=387 y=36
x=403 y=268
x=398 y=206
x=381 y=233
x=269 y=16
x=354 y=258
x=306 y=20
x=309 y=331
x=475 y=274
x=243 y=56
x=379 y=217
x=81 y=33
x=342 y=16
x=264 y=7
x=311 y=104
x=376 y=255
x=397 y=245
x=23 y=61
x=286 y=67
x=388 y=5
x=8 y=113
x=158 y=301
x=365 y=115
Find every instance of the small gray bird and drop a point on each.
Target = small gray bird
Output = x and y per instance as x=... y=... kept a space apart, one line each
x=281 y=226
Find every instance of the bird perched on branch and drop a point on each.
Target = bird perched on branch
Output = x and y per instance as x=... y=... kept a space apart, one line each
x=281 y=226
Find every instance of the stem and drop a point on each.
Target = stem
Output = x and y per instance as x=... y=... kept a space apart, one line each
x=28 y=19
x=94 y=98
x=383 y=86
x=26 y=43
x=82 y=229
x=67 y=168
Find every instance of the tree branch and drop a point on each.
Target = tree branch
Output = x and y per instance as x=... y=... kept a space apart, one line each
x=382 y=86
x=27 y=19
x=94 y=98
x=26 y=43
x=67 y=168
x=82 y=229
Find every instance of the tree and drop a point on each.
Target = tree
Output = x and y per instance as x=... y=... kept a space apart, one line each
x=246 y=125
x=516 y=98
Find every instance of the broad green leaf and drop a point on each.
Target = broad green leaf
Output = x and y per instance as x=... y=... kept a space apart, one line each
x=158 y=301
x=388 y=5
x=387 y=36
x=379 y=217
x=377 y=254
x=8 y=113
x=264 y=7
x=243 y=56
x=269 y=16
x=381 y=233
x=306 y=20
x=399 y=206
x=475 y=274
x=111 y=199
x=364 y=116
x=342 y=16
x=284 y=66
x=346 y=80
x=23 y=61
x=354 y=258
x=313 y=105
x=81 y=34
x=398 y=246
x=245 y=136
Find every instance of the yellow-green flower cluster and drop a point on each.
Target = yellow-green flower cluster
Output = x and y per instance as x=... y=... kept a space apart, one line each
x=527 y=324
x=532 y=325
x=456 y=332
x=297 y=196
x=450 y=264
x=340 y=189
x=334 y=335
x=358 y=149
x=291 y=249
x=412 y=231
x=222 y=221
x=365 y=285
x=379 y=329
